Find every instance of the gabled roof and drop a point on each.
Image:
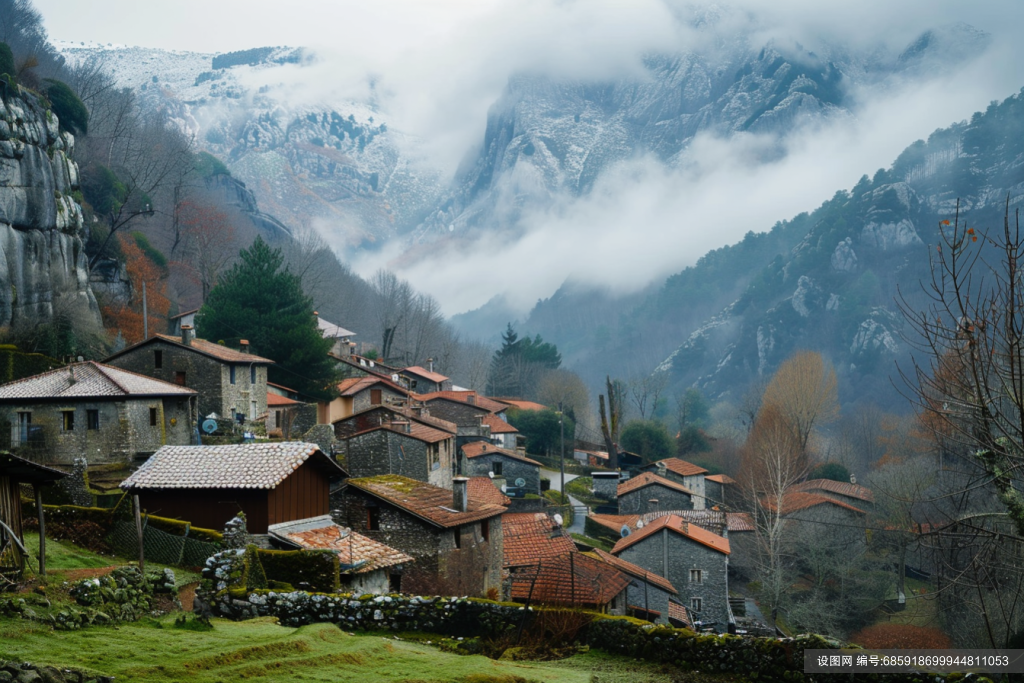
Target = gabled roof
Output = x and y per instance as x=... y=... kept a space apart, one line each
x=22 y=470
x=714 y=521
x=739 y=521
x=475 y=449
x=520 y=404
x=678 y=466
x=569 y=579
x=355 y=385
x=428 y=502
x=721 y=479
x=532 y=536
x=634 y=570
x=497 y=425
x=842 y=488
x=795 y=501
x=184 y=313
x=603 y=455
x=416 y=430
x=88 y=380
x=484 y=490
x=347 y=360
x=200 y=346
x=678 y=525
x=435 y=377
x=332 y=331
x=407 y=412
x=277 y=400
x=362 y=554
x=237 y=466
x=650 y=479
x=470 y=398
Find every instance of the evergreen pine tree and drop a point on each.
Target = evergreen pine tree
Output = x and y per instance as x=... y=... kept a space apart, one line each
x=259 y=301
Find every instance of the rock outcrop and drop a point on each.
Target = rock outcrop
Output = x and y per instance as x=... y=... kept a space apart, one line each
x=41 y=252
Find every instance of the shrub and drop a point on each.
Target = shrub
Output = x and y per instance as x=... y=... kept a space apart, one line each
x=69 y=109
x=311 y=570
x=6 y=60
x=901 y=637
x=830 y=470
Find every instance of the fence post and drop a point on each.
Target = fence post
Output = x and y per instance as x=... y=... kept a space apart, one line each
x=38 y=490
x=138 y=532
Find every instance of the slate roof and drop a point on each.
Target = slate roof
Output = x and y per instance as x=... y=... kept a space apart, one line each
x=475 y=449
x=680 y=526
x=90 y=381
x=497 y=425
x=353 y=548
x=332 y=331
x=721 y=479
x=569 y=579
x=22 y=470
x=842 y=488
x=237 y=466
x=435 y=377
x=650 y=479
x=484 y=490
x=426 y=501
x=634 y=570
x=795 y=501
x=532 y=536
x=679 y=466
x=465 y=397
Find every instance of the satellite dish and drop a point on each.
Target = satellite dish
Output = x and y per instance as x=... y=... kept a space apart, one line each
x=558 y=519
x=624 y=531
x=640 y=525
x=491 y=475
x=520 y=482
x=209 y=426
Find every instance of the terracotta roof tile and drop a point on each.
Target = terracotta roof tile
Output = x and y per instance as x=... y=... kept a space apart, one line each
x=355 y=550
x=484 y=490
x=410 y=429
x=277 y=400
x=435 y=377
x=475 y=449
x=208 y=348
x=90 y=380
x=354 y=385
x=464 y=397
x=650 y=479
x=679 y=466
x=532 y=536
x=635 y=570
x=430 y=503
x=238 y=466
x=680 y=526
x=520 y=405
x=721 y=479
x=497 y=425
x=795 y=501
x=714 y=521
x=842 y=488
x=679 y=612
x=739 y=521
x=406 y=412
x=569 y=579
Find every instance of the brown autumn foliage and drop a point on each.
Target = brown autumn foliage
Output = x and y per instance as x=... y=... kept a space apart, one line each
x=772 y=459
x=901 y=637
x=805 y=391
x=125 y=315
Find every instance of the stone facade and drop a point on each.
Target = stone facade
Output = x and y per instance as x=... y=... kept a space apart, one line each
x=385 y=451
x=465 y=415
x=694 y=482
x=104 y=431
x=606 y=485
x=639 y=502
x=650 y=598
x=505 y=466
x=440 y=567
x=676 y=557
x=225 y=388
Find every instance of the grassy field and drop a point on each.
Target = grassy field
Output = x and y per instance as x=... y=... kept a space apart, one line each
x=262 y=650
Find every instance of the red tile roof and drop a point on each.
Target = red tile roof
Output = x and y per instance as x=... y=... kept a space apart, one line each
x=842 y=488
x=89 y=380
x=464 y=397
x=416 y=430
x=208 y=348
x=714 y=521
x=364 y=553
x=497 y=425
x=795 y=501
x=435 y=377
x=721 y=479
x=430 y=503
x=405 y=412
x=739 y=521
x=484 y=490
x=679 y=466
x=277 y=400
x=569 y=579
x=678 y=525
x=532 y=536
x=521 y=405
x=650 y=479
x=475 y=449
x=678 y=612
x=635 y=570
x=354 y=385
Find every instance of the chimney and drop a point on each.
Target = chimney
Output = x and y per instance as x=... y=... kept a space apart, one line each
x=471 y=399
x=186 y=335
x=430 y=364
x=243 y=345
x=460 y=488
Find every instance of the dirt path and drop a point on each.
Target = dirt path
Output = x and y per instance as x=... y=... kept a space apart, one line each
x=187 y=596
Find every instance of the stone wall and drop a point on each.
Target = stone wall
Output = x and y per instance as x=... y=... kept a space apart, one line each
x=638 y=502
x=384 y=451
x=647 y=596
x=462 y=414
x=511 y=469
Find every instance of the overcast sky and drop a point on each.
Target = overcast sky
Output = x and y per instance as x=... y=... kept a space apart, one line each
x=442 y=63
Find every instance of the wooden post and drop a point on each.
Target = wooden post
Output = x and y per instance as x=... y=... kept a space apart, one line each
x=138 y=531
x=38 y=490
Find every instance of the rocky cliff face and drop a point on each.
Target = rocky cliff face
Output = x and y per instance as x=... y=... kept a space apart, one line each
x=41 y=253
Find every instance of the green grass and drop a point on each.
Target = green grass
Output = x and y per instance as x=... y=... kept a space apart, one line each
x=262 y=650
x=580 y=489
x=596 y=542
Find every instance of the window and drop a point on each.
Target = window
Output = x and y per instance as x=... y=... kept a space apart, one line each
x=373 y=519
x=434 y=451
x=278 y=419
x=68 y=420
x=695 y=604
x=24 y=423
x=458 y=537
x=252 y=374
x=485 y=530
x=158 y=359
x=92 y=419
x=696 y=576
x=179 y=378
x=152 y=417
x=395 y=583
x=496 y=467
x=231 y=369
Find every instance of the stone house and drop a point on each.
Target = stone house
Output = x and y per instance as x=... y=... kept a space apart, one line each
x=573 y=580
x=503 y=435
x=231 y=384
x=456 y=542
x=720 y=490
x=367 y=566
x=845 y=492
x=649 y=492
x=648 y=594
x=357 y=394
x=467 y=409
x=686 y=473
x=693 y=559
x=341 y=337
x=424 y=381
x=481 y=459
x=397 y=445
x=96 y=411
x=209 y=485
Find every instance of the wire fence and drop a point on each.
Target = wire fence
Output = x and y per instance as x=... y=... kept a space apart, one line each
x=160 y=546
